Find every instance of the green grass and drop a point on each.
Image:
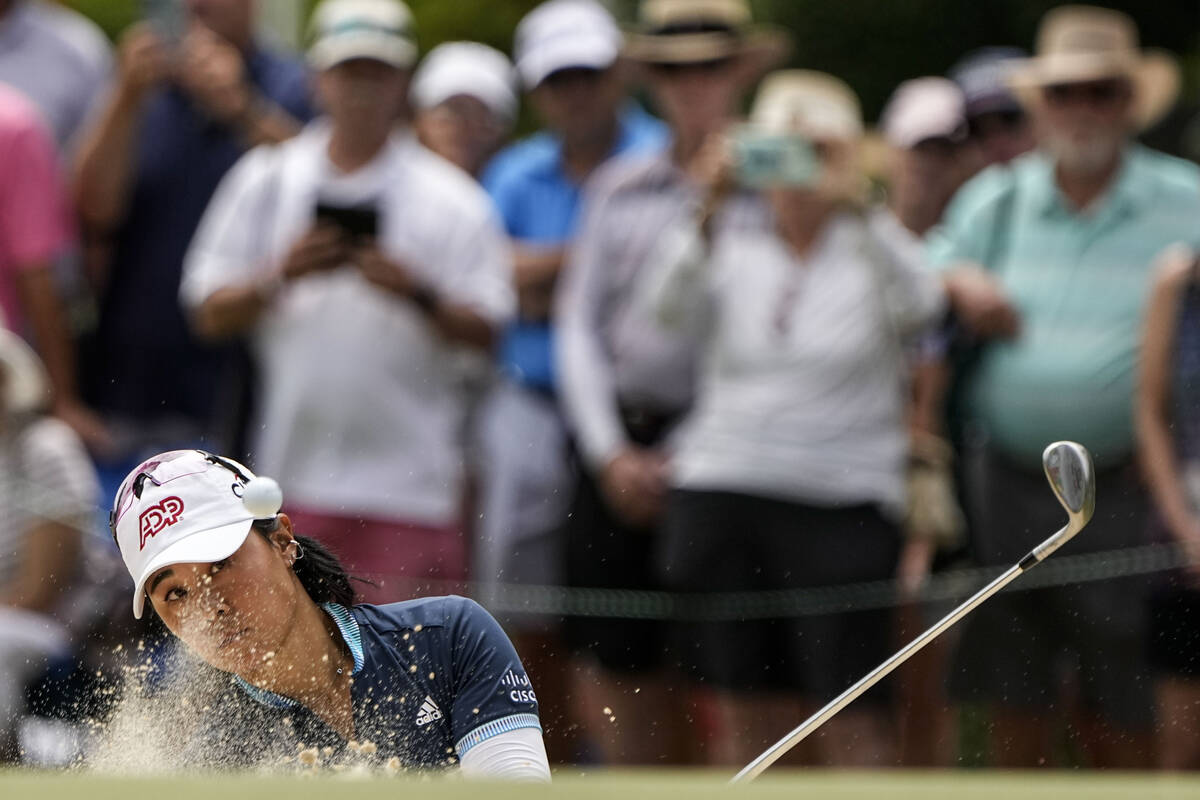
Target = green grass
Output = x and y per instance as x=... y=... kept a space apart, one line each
x=603 y=785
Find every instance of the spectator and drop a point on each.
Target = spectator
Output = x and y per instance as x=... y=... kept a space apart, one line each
x=568 y=58
x=35 y=228
x=180 y=114
x=925 y=127
x=359 y=265
x=1066 y=236
x=999 y=127
x=1169 y=445
x=57 y=58
x=624 y=382
x=465 y=103
x=48 y=495
x=798 y=432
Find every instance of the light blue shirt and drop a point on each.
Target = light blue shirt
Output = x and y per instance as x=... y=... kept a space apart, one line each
x=1080 y=282
x=539 y=203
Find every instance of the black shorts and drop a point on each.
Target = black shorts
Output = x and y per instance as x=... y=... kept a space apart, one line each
x=1175 y=629
x=604 y=552
x=1014 y=647
x=728 y=542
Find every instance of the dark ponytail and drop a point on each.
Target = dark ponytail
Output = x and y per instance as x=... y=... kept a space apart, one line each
x=321 y=574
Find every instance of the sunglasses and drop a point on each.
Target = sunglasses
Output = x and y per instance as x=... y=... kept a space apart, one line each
x=1094 y=93
x=571 y=76
x=994 y=123
x=709 y=67
x=158 y=471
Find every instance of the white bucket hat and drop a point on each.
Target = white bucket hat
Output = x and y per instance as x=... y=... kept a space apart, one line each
x=343 y=30
x=186 y=506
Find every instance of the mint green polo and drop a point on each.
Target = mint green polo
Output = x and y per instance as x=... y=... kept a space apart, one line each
x=1080 y=282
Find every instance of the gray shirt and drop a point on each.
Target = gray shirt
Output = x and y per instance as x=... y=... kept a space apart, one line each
x=57 y=58
x=609 y=353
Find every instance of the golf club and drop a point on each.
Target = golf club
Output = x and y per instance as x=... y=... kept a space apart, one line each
x=1071 y=475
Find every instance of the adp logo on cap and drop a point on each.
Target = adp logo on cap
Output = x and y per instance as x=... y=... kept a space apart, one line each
x=158 y=517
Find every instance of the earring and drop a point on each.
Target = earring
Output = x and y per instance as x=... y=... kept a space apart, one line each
x=299 y=549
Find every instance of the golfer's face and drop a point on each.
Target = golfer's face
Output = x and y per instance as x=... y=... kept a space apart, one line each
x=232 y=613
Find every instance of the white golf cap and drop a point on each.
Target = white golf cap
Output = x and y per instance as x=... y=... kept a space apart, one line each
x=924 y=108
x=562 y=34
x=469 y=68
x=343 y=30
x=185 y=506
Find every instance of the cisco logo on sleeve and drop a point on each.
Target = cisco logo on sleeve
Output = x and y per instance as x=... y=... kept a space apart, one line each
x=520 y=689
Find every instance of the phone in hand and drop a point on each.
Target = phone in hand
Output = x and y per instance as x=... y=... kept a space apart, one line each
x=357 y=222
x=774 y=160
x=168 y=18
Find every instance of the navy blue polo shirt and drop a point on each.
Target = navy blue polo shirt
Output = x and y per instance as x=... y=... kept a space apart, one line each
x=143 y=361
x=432 y=678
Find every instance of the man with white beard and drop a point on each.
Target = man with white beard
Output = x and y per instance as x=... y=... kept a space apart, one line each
x=1066 y=235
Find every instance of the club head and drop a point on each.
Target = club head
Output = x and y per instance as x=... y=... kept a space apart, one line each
x=1072 y=476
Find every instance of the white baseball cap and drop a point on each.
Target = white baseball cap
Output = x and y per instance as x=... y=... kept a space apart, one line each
x=562 y=34
x=468 y=68
x=924 y=108
x=343 y=30
x=186 y=506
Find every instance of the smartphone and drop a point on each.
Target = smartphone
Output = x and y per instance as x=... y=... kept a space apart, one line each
x=167 y=17
x=777 y=160
x=359 y=222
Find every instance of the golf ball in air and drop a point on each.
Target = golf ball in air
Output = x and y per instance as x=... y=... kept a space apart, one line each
x=263 y=497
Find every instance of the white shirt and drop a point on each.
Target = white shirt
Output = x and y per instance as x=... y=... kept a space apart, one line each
x=361 y=401
x=607 y=354
x=45 y=476
x=801 y=394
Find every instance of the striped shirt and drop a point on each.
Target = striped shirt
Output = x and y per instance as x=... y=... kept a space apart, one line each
x=1080 y=281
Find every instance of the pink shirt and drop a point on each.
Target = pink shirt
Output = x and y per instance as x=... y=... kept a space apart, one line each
x=34 y=220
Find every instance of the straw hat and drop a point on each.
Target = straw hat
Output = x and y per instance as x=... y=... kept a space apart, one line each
x=823 y=108
x=1077 y=44
x=692 y=31
x=24 y=387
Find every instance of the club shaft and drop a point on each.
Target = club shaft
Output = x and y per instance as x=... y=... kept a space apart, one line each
x=756 y=767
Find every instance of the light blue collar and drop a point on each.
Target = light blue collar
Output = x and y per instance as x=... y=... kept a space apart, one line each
x=347 y=625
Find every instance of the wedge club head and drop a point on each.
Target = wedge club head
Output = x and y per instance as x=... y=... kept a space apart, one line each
x=1072 y=476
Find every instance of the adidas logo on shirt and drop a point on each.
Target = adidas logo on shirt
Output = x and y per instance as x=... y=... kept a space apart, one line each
x=429 y=712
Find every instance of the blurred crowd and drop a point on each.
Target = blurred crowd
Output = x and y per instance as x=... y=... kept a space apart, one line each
x=660 y=344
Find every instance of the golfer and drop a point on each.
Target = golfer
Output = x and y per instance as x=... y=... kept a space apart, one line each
x=427 y=683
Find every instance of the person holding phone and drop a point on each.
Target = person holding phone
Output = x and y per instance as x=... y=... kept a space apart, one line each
x=193 y=89
x=364 y=271
x=798 y=431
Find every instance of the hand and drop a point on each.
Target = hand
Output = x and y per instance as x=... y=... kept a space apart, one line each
x=981 y=302
x=143 y=62
x=712 y=168
x=213 y=73
x=91 y=430
x=634 y=483
x=1187 y=534
x=384 y=272
x=323 y=248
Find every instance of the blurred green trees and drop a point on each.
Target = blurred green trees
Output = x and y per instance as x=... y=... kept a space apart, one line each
x=873 y=44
